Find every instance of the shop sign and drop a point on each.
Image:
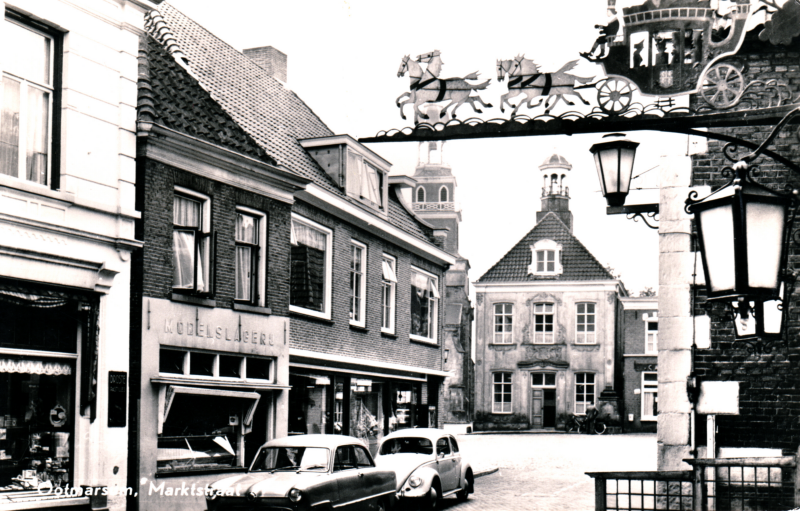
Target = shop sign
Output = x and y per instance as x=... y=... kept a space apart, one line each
x=117 y=399
x=219 y=329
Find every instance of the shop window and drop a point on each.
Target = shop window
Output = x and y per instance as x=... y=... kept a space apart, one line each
x=250 y=256
x=585 y=324
x=310 y=279
x=389 y=288
x=203 y=429
x=358 y=283
x=28 y=134
x=584 y=392
x=649 y=396
x=36 y=423
x=544 y=320
x=192 y=243
x=501 y=401
x=206 y=364
x=503 y=323
x=366 y=411
x=405 y=399
x=424 y=305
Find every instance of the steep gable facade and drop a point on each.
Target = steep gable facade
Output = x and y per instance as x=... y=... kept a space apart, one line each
x=547 y=323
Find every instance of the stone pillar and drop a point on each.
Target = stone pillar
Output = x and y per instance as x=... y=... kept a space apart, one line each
x=674 y=315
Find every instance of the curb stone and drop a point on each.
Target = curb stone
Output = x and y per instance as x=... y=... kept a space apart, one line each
x=481 y=473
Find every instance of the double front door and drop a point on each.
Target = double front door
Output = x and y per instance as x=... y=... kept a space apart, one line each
x=543 y=400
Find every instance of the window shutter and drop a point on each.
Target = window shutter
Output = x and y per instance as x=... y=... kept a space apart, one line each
x=212 y=264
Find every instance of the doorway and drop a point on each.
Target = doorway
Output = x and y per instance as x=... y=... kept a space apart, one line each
x=543 y=400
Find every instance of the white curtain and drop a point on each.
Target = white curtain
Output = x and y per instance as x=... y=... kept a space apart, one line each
x=36 y=150
x=9 y=128
x=186 y=212
x=243 y=271
x=183 y=259
x=34 y=367
x=302 y=234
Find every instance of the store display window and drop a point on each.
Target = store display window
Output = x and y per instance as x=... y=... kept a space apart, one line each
x=404 y=401
x=204 y=429
x=366 y=411
x=308 y=406
x=36 y=423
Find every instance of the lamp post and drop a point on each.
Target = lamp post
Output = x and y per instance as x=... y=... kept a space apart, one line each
x=614 y=161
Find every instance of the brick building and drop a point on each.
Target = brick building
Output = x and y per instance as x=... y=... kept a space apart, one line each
x=547 y=325
x=639 y=338
x=769 y=408
x=67 y=213
x=346 y=306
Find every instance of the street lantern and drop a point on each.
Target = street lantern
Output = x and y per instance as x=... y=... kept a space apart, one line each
x=614 y=162
x=743 y=232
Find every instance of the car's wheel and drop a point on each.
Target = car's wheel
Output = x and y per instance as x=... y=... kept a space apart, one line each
x=434 y=497
x=468 y=488
x=599 y=428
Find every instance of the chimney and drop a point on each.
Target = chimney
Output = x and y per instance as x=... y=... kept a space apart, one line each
x=272 y=60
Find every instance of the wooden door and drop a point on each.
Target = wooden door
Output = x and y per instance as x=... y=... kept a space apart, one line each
x=537 y=405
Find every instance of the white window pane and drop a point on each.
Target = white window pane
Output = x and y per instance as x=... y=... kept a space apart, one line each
x=388 y=271
x=203 y=265
x=244 y=260
x=183 y=259
x=37 y=135
x=30 y=58
x=9 y=128
x=434 y=288
x=186 y=212
x=246 y=229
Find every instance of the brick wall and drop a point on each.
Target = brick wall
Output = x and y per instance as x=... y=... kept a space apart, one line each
x=769 y=397
x=336 y=336
x=154 y=264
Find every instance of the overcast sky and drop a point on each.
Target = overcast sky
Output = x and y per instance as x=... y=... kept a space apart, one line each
x=343 y=59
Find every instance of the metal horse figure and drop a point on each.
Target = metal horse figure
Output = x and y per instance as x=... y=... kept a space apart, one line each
x=426 y=87
x=524 y=78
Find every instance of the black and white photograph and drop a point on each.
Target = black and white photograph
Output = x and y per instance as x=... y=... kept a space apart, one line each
x=400 y=256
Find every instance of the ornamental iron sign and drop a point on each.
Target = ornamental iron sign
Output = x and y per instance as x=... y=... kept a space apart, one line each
x=649 y=54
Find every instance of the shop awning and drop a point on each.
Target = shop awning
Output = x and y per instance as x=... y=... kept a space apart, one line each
x=358 y=366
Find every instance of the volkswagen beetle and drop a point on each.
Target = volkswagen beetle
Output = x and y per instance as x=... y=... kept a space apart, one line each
x=428 y=465
x=307 y=472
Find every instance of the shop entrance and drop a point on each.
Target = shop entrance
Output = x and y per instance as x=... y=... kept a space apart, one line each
x=543 y=400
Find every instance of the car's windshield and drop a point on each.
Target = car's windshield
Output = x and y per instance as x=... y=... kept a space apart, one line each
x=407 y=445
x=292 y=458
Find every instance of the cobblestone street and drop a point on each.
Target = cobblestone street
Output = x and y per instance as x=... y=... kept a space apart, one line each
x=546 y=472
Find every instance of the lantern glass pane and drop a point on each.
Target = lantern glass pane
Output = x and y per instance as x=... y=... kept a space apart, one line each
x=717 y=231
x=772 y=317
x=764 y=242
x=626 y=168
x=609 y=158
x=599 y=166
x=745 y=327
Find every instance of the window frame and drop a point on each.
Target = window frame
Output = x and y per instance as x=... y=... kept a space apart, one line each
x=585 y=394
x=649 y=320
x=544 y=384
x=259 y=287
x=505 y=337
x=584 y=337
x=360 y=287
x=433 y=306
x=326 y=290
x=506 y=389
x=416 y=193
x=544 y=247
x=446 y=191
x=552 y=333
x=201 y=234
x=388 y=290
x=649 y=387
x=51 y=172
x=187 y=365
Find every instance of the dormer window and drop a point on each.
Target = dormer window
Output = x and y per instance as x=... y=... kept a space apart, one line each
x=356 y=170
x=545 y=258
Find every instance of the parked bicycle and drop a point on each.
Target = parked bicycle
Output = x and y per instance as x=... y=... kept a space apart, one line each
x=582 y=424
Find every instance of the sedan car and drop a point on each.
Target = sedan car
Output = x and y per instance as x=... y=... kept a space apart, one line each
x=428 y=465
x=307 y=472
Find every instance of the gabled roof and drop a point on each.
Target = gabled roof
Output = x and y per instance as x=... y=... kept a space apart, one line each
x=274 y=117
x=577 y=262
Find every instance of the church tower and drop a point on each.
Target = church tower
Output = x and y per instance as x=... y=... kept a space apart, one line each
x=555 y=192
x=434 y=196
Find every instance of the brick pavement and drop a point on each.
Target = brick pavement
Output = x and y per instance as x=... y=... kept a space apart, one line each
x=545 y=472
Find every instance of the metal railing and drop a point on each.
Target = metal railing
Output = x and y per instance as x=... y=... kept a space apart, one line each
x=640 y=491
x=746 y=484
x=721 y=484
x=437 y=206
